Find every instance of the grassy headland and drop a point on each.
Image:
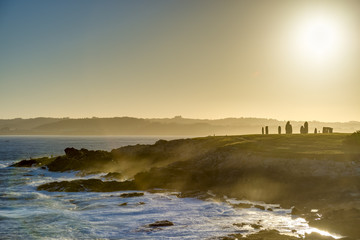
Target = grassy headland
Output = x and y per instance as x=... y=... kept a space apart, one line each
x=306 y=171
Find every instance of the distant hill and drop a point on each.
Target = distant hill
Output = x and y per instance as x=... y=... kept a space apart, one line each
x=161 y=126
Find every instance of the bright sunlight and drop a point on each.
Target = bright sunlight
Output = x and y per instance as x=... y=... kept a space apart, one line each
x=319 y=38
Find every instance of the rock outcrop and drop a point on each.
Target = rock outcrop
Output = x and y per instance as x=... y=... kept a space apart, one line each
x=289 y=170
x=87 y=185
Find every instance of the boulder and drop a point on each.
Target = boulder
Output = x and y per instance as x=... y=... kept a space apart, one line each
x=133 y=194
x=163 y=223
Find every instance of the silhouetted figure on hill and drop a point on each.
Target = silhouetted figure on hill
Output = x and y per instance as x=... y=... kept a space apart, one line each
x=267 y=130
x=288 y=128
x=279 y=130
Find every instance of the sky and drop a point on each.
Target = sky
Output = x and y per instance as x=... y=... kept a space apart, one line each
x=288 y=60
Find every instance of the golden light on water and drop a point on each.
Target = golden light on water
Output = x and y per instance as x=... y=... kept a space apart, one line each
x=323 y=233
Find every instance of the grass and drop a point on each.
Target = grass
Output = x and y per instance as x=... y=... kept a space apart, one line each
x=301 y=145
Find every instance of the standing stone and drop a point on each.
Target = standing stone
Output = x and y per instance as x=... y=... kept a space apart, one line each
x=306 y=128
x=267 y=130
x=302 y=130
x=279 y=129
x=315 y=131
x=262 y=130
x=288 y=128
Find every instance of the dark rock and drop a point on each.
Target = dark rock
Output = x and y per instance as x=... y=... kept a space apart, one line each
x=296 y=211
x=85 y=173
x=242 y=205
x=164 y=223
x=261 y=235
x=255 y=226
x=113 y=175
x=259 y=207
x=87 y=185
x=194 y=194
x=240 y=224
x=123 y=204
x=343 y=221
x=288 y=128
x=134 y=194
x=72 y=152
x=78 y=160
x=25 y=163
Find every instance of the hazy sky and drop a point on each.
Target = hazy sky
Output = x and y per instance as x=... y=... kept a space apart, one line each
x=289 y=60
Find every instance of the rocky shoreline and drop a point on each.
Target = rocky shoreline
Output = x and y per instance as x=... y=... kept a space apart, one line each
x=308 y=172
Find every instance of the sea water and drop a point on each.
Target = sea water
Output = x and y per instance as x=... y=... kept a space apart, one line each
x=26 y=213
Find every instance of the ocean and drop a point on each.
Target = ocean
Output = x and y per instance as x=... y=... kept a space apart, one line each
x=26 y=213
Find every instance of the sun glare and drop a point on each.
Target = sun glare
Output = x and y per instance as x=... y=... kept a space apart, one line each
x=318 y=38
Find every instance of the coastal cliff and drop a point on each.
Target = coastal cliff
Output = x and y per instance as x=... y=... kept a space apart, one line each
x=305 y=171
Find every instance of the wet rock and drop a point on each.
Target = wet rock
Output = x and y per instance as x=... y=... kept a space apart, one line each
x=194 y=194
x=343 y=221
x=133 y=194
x=240 y=224
x=317 y=236
x=85 y=173
x=79 y=160
x=255 y=226
x=87 y=185
x=113 y=175
x=242 y=205
x=25 y=163
x=72 y=152
x=261 y=235
x=123 y=204
x=164 y=223
x=259 y=207
x=296 y=211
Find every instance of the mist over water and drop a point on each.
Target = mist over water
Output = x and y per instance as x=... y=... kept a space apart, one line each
x=30 y=214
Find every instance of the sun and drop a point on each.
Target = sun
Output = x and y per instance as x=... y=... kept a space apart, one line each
x=318 y=38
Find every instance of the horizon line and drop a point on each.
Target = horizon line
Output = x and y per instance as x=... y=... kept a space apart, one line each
x=176 y=117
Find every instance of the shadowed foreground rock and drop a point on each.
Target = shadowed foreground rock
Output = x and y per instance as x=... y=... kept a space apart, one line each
x=87 y=185
x=164 y=223
x=25 y=163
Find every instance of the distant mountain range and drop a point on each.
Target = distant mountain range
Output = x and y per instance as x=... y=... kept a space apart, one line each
x=162 y=126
